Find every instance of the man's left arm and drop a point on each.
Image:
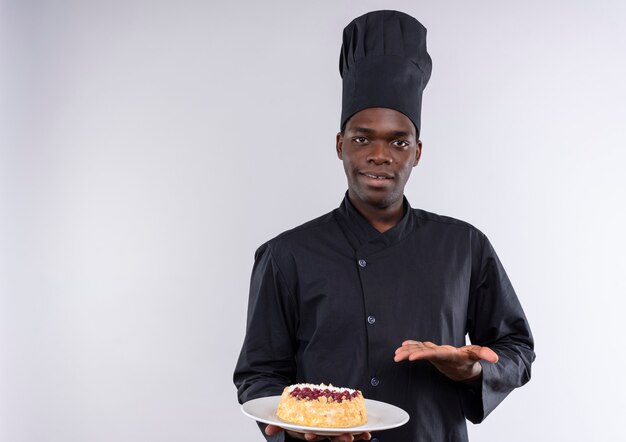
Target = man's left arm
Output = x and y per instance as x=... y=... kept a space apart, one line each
x=496 y=319
x=502 y=351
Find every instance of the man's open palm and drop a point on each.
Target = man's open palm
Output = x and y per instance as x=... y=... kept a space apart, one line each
x=459 y=364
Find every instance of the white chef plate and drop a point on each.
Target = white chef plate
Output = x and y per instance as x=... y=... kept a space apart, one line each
x=380 y=416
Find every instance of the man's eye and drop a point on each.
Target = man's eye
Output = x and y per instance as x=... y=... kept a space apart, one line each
x=401 y=143
x=359 y=140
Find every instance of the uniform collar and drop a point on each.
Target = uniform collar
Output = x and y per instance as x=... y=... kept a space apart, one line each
x=364 y=233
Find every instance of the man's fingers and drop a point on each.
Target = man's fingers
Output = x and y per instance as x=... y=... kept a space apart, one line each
x=486 y=354
x=349 y=437
x=272 y=430
x=401 y=357
x=343 y=438
x=414 y=352
x=429 y=351
x=402 y=353
x=419 y=344
x=425 y=353
x=478 y=353
x=417 y=350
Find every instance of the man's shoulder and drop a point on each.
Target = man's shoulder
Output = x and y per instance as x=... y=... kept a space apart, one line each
x=444 y=222
x=322 y=226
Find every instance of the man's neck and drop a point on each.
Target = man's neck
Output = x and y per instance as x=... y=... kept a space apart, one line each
x=381 y=218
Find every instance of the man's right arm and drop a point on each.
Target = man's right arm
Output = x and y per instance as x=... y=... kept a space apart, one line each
x=267 y=360
x=266 y=363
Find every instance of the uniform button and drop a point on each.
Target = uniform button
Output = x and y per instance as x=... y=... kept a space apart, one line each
x=371 y=319
x=374 y=439
x=375 y=381
x=362 y=262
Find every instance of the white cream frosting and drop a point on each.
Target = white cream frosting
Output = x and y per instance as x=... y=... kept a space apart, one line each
x=320 y=387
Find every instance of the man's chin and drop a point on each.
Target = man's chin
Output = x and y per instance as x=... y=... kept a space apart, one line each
x=378 y=200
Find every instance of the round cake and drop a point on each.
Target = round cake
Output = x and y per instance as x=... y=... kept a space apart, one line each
x=322 y=406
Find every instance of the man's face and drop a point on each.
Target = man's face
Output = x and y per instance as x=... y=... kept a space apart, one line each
x=379 y=148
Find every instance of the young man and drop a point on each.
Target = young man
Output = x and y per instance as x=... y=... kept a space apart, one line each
x=376 y=295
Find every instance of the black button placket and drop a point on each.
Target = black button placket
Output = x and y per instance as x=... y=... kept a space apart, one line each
x=369 y=276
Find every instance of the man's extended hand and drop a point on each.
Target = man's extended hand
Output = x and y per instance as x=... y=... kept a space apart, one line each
x=272 y=430
x=459 y=364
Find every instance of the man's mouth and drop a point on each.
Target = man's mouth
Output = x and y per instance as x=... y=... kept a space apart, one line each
x=377 y=176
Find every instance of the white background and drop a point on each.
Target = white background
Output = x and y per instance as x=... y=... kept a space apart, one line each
x=147 y=148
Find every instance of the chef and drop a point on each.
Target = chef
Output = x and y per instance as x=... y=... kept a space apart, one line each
x=377 y=295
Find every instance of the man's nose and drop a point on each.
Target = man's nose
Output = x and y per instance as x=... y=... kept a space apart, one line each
x=380 y=153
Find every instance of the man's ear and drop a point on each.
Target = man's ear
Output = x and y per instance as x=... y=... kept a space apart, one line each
x=418 y=153
x=339 y=145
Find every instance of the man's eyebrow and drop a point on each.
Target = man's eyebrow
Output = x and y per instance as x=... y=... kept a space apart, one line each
x=364 y=130
x=401 y=134
x=368 y=131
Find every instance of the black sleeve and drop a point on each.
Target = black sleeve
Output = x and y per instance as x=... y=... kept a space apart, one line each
x=496 y=320
x=266 y=363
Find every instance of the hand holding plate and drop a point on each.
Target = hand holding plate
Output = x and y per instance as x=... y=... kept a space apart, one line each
x=272 y=430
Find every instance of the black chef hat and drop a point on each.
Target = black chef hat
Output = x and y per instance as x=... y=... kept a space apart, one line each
x=384 y=63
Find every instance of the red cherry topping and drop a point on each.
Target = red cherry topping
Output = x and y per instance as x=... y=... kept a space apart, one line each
x=309 y=394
